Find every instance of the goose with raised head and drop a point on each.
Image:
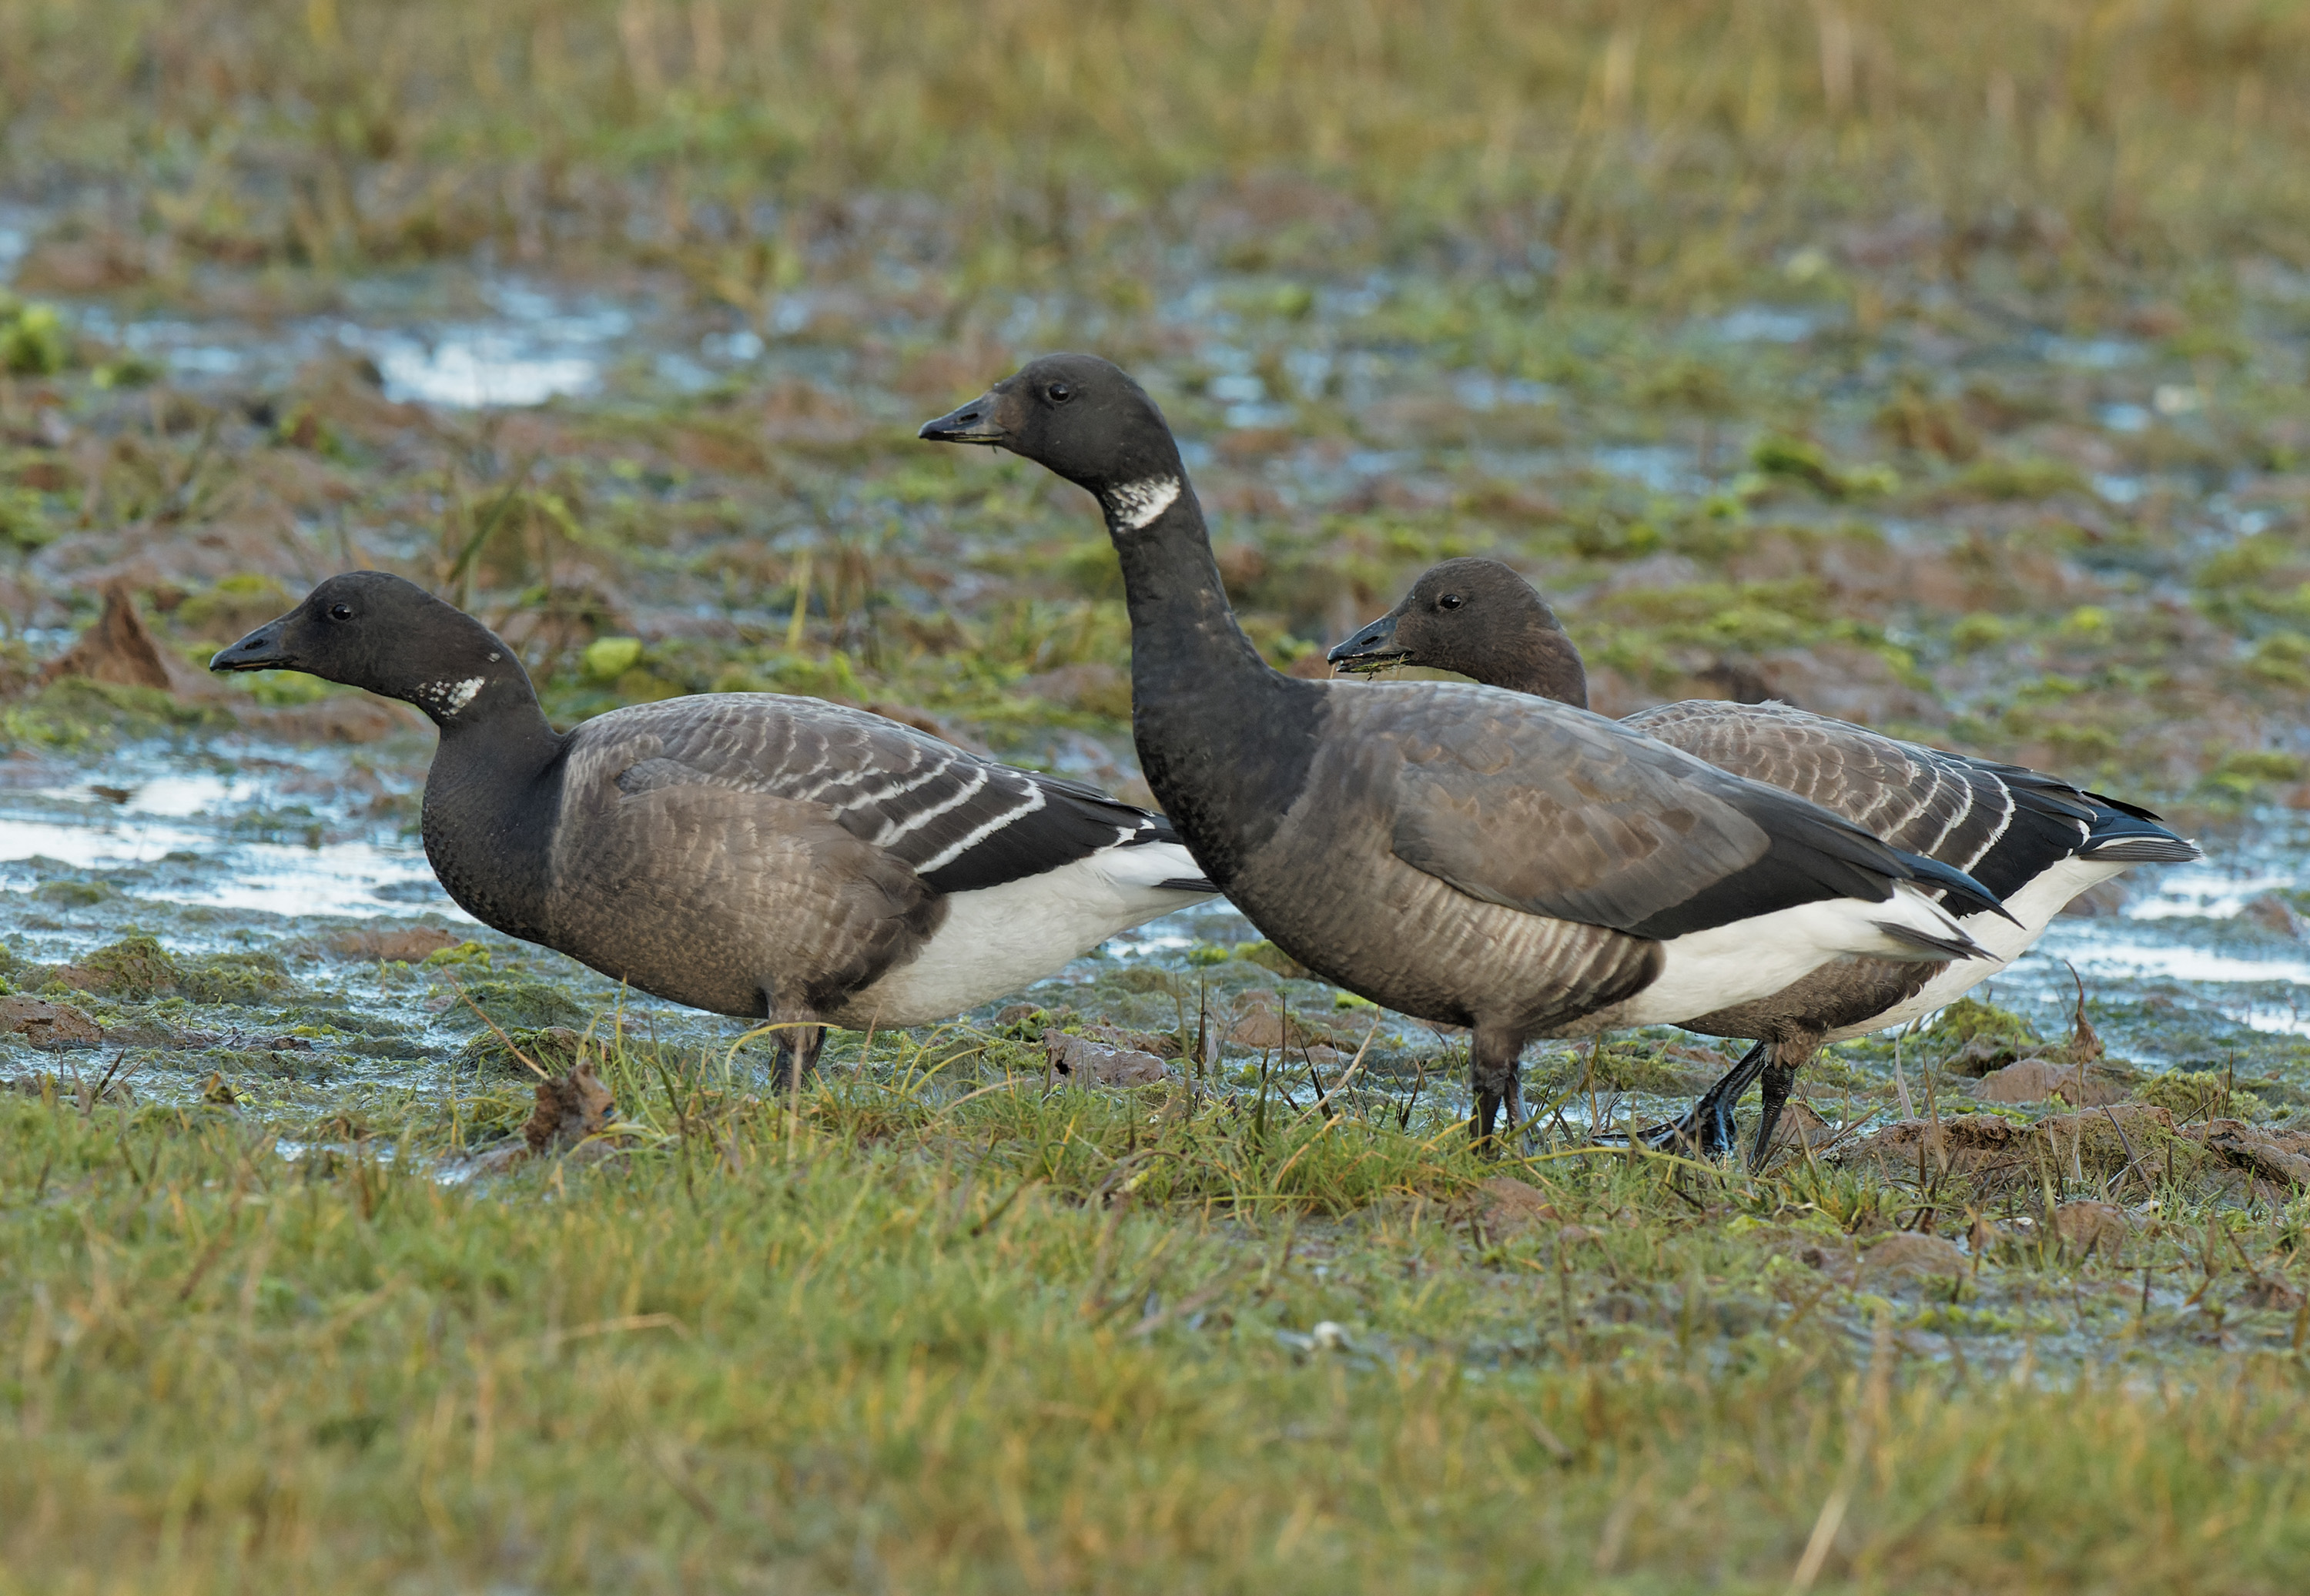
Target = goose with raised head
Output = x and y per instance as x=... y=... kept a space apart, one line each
x=748 y=853
x=2034 y=840
x=1453 y=852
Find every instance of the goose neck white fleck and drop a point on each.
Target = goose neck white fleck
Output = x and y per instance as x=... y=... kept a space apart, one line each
x=1134 y=506
x=450 y=697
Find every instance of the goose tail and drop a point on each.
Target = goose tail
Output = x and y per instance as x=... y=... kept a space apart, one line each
x=2121 y=834
x=1960 y=892
x=1916 y=929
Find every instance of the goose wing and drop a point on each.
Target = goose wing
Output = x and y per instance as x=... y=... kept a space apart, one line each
x=960 y=821
x=2002 y=824
x=1561 y=812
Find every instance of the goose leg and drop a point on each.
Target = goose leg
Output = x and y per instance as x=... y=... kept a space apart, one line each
x=1492 y=1073
x=1778 y=1079
x=798 y=1045
x=1707 y=1128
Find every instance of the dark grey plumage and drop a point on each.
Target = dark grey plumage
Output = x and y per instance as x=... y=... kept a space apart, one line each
x=1450 y=851
x=2031 y=838
x=747 y=853
x=960 y=821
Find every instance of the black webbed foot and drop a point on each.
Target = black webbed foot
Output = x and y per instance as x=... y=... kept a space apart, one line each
x=1485 y=1120
x=1484 y=1127
x=798 y=1046
x=1493 y=1078
x=1706 y=1130
x=1778 y=1081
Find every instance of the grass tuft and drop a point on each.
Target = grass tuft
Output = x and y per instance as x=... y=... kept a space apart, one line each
x=937 y=1323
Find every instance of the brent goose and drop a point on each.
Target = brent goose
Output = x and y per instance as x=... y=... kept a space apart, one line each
x=2036 y=841
x=1451 y=851
x=748 y=853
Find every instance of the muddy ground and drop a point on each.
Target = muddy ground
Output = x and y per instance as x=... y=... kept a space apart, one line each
x=1999 y=515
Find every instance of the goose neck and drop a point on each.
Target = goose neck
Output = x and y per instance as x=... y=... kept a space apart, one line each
x=1185 y=638
x=1225 y=741
x=1550 y=667
x=491 y=803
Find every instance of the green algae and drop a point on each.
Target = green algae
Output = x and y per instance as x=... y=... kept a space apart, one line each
x=242 y=979
x=515 y=1000
x=133 y=968
x=1970 y=1018
x=522 y=1050
x=2201 y=1094
x=1268 y=956
x=34 y=339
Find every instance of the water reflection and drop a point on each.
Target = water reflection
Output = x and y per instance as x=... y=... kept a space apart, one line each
x=526 y=345
x=233 y=838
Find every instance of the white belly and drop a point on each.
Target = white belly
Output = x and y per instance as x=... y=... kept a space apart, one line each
x=1000 y=939
x=1729 y=965
x=2033 y=906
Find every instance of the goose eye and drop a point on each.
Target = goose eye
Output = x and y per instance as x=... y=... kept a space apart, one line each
x=1058 y=393
x=340 y=611
x=1450 y=601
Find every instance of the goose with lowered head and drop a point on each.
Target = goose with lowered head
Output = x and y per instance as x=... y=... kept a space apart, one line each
x=2033 y=839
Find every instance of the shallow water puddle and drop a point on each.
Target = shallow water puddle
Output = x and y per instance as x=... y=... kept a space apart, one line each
x=144 y=808
x=504 y=341
x=2191 y=934
x=16 y=227
x=298 y=914
x=356 y=878
x=276 y=847
x=2218 y=886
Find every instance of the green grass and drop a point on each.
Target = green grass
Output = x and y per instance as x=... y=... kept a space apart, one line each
x=1661 y=149
x=891 y=1335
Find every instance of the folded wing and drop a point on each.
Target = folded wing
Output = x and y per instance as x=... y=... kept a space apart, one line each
x=960 y=821
x=1562 y=813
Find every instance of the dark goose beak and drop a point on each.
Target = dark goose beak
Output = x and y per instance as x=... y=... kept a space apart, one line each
x=974 y=422
x=261 y=650
x=1371 y=649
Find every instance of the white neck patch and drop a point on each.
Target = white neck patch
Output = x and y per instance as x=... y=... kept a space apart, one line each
x=1135 y=505
x=448 y=698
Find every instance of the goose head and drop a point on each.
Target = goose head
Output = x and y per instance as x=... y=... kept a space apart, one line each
x=1478 y=617
x=383 y=633
x=1084 y=419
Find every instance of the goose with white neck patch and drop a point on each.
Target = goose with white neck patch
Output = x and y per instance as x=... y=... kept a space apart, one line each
x=1453 y=852
x=748 y=853
x=2032 y=839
